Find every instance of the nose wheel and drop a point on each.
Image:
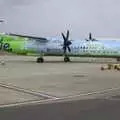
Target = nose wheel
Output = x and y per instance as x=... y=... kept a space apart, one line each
x=40 y=60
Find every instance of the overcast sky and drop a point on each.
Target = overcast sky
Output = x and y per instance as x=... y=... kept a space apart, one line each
x=51 y=17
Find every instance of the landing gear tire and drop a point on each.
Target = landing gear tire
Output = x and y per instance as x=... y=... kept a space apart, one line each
x=118 y=59
x=66 y=59
x=40 y=60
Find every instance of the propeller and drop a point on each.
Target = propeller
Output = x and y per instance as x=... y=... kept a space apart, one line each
x=90 y=38
x=66 y=43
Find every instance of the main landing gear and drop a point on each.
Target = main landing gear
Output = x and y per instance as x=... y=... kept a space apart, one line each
x=40 y=60
x=118 y=59
x=66 y=59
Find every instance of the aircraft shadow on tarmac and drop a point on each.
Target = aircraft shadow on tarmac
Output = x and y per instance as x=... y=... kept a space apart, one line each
x=60 y=61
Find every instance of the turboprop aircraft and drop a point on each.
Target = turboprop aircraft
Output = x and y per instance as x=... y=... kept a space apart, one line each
x=22 y=44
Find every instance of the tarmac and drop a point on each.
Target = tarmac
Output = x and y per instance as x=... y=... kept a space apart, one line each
x=23 y=82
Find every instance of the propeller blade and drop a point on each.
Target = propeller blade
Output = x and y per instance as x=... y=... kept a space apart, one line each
x=67 y=36
x=69 y=49
x=64 y=38
x=90 y=36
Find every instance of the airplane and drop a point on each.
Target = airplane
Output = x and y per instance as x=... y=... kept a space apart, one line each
x=23 y=44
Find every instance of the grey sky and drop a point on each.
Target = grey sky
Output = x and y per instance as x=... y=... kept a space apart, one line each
x=50 y=17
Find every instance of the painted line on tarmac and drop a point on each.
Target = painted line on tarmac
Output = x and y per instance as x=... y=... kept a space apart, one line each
x=92 y=93
x=53 y=100
x=28 y=103
x=28 y=91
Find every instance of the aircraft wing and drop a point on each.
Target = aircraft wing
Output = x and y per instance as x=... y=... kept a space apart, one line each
x=31 y=37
